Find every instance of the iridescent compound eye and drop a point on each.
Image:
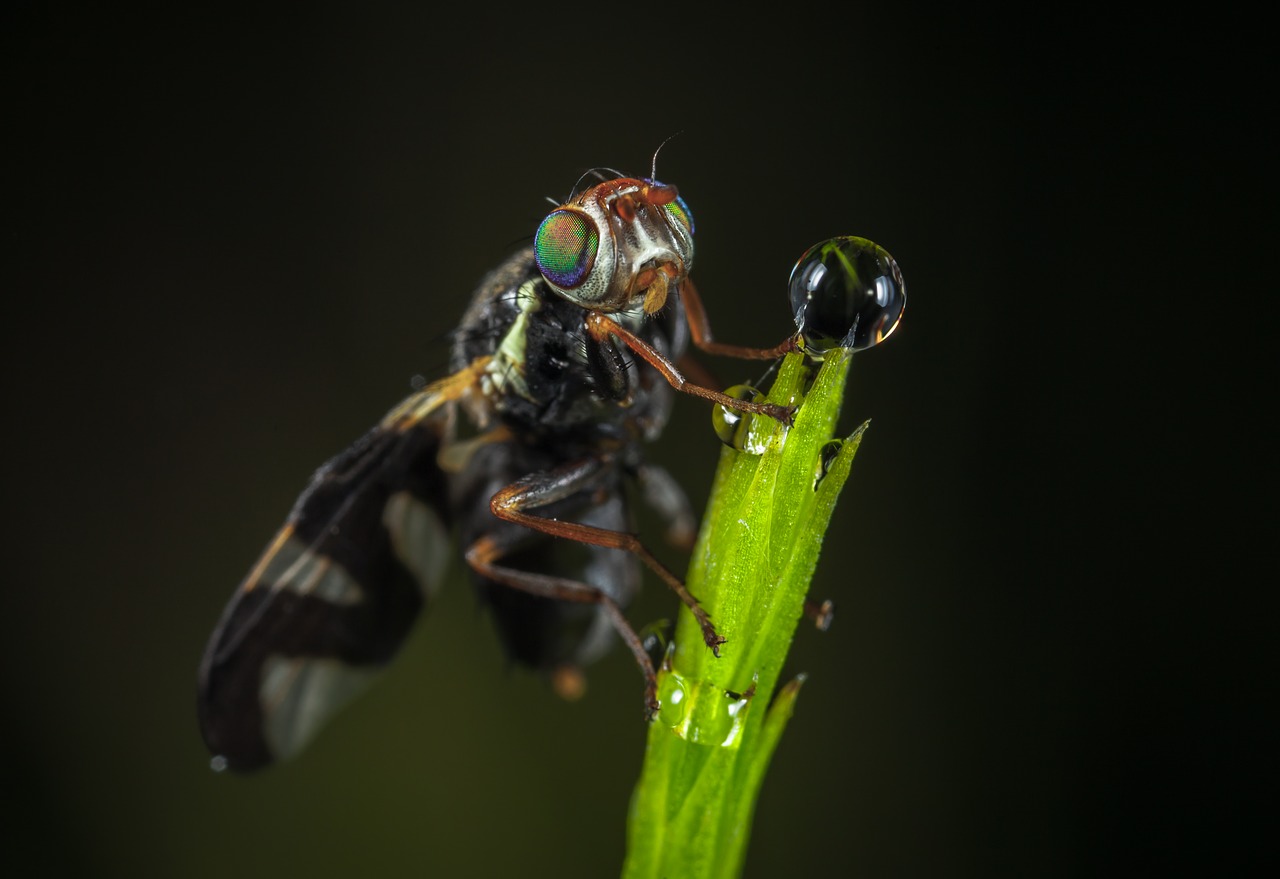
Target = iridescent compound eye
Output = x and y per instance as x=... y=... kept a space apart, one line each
x=681 y=212
x=565 y=247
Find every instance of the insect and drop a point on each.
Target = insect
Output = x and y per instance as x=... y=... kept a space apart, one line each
x=563 y=367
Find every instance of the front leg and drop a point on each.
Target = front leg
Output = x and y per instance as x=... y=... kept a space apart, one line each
x=700 y=331
x=600 y=327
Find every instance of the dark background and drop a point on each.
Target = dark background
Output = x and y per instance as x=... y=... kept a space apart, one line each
x=234 y=242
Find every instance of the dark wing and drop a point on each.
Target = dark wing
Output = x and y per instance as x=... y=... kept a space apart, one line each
x=335 y=593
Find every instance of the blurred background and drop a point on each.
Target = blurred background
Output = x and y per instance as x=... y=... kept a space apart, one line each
x=237 y=240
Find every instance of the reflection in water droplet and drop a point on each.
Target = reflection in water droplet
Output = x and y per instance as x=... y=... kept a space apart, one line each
x=700 y=712
x=845 y=293
x=826 y=457
x=738 y=429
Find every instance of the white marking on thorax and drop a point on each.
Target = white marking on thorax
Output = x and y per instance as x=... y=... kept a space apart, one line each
x=505 y=371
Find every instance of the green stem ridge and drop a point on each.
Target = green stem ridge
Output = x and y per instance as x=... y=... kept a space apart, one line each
x=710 y=745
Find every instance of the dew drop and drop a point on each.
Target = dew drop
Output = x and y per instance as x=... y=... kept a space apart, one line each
x=672 y=702
x=826 y=457
x=847 y=293
x=655 y=638
x=701 y=712
x=737 y=429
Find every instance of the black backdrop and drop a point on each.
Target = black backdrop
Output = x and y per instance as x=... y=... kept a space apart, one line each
x=235 y=241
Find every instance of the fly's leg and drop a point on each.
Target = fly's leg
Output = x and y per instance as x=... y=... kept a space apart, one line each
x=600 y=327
x=820 y=612
x=516 y=503
x=540 y=489
x=700 y=331
x=695 y=371
x=483 y=555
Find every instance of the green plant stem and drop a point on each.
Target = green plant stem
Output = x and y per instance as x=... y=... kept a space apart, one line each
x=709 y=747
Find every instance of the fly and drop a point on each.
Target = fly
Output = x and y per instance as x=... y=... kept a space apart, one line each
x=562 y=369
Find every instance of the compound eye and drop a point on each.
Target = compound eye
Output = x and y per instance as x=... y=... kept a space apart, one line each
x=565 y=247
x=681 y=212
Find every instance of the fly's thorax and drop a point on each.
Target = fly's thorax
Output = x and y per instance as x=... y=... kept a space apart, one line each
x=500 y=298
x=530 y=344
x=620 y=245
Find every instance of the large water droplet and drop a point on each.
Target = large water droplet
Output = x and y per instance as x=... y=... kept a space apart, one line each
x=701 y=712
x=845 y=293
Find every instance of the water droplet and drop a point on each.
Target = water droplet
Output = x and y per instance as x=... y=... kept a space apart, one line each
x=826 y=457
x=701 y=712
x=656 y=640
x=738 y=429
x=218 y=764
x=845 y=293
x=672 y=704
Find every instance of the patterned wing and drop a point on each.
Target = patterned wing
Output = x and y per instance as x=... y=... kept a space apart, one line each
x=334 y=594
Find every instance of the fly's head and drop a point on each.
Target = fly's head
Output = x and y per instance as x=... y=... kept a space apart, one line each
x=619 y=245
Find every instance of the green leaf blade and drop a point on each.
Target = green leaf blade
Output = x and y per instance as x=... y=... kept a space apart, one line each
x=709 y=749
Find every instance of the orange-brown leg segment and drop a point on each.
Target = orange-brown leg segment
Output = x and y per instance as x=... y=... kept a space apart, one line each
x=696 y=371
x=537 y=490
x=600 y=327
x=540 y=489
x=700 y=330
x=483 y=554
